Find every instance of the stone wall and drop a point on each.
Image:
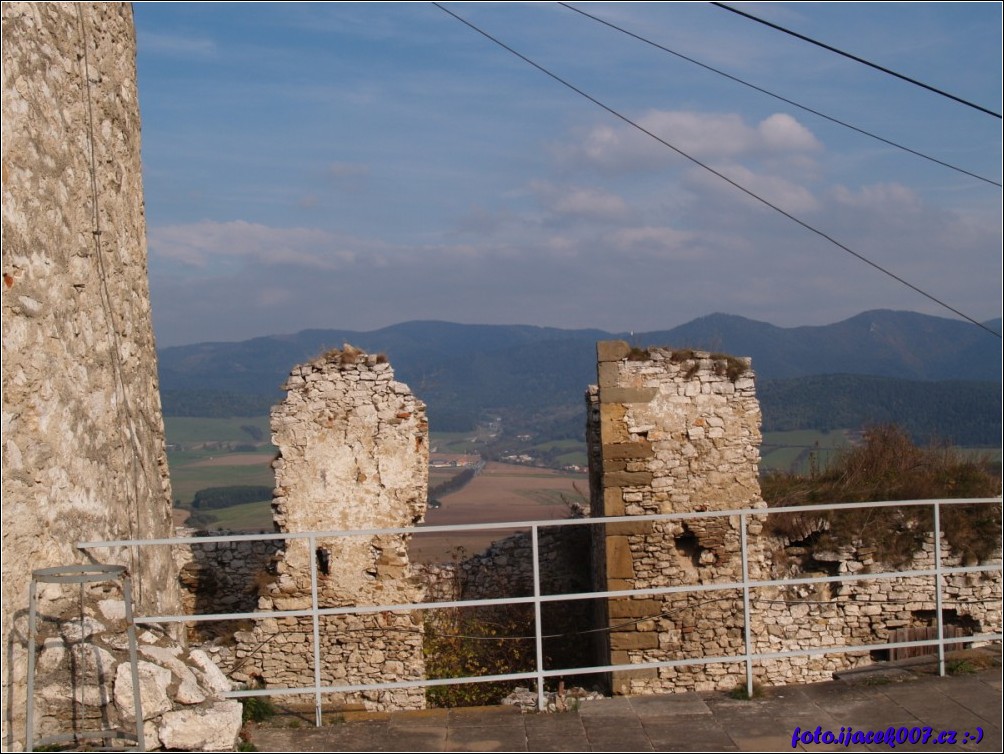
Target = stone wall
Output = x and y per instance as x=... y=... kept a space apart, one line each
x=353 y=454
x=678 y=432
x=505 y=568
x=865 y=612
x=223 y=577
x=83 y=441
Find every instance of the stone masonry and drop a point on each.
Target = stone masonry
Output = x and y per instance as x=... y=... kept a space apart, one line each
x=353 y=454
x=83 y=439
x=672 y=431
x=678 y=432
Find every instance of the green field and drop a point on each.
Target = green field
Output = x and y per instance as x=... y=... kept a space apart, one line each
x=187 y=479
x=244 y=517
x=790 y=451
x=455 y=442
x=186 y=430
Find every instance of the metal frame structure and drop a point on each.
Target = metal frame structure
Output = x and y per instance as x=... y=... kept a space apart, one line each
x=82 y=574
x=537 y=599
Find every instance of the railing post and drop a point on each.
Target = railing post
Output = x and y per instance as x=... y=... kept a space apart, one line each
x=538 y=627
x=312 y=554
x=937 y=588
x=747 y=641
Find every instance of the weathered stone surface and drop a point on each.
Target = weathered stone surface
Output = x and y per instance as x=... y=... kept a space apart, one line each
x=634 y=640
x=153 y=684
x=212 y=729
x=83 y=449
x=627 y=394
x=620 y=563
x=353 y=454
x=612 y=350
x=640 y=449
x=703 y=431
x=634 y=608
x=212 y=677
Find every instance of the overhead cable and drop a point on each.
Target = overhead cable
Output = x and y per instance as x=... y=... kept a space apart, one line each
x=717 y=173
x=855 y=58
x=781 y=98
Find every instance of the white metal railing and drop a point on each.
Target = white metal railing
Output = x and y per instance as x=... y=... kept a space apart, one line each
x=539 y=674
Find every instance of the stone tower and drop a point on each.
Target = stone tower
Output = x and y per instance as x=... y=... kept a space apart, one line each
x=672 y=432
x=83 y=437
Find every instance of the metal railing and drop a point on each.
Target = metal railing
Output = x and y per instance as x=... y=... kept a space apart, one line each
x=540 y=674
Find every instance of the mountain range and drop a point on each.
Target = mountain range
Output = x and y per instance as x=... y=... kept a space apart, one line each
x=538 y=374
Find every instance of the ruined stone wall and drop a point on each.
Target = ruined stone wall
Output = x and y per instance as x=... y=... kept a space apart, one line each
x=353 y=454
x=865 y=612
x=83 y=441
x=222 y=577
x=678 y=432
x=505 y=568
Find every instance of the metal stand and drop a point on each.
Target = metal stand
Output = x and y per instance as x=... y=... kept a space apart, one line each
x=87 y=574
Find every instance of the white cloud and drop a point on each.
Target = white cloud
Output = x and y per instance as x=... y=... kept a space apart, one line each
x=206 y=243
x=705 y=136
x=786 y=194
x=580 y=201
x=660 y=241
x=782 y=133
x=176 y=45
x=881 y=197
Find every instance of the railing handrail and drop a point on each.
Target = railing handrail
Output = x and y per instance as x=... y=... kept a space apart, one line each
x=746 y=585
x=547 y=522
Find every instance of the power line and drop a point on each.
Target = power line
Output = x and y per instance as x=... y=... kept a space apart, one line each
x=855 y=58
x=780 y=97
x=720 y=175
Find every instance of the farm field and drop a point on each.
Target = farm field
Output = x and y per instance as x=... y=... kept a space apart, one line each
x=501 y=492
x=189 y=475
x=188 y=430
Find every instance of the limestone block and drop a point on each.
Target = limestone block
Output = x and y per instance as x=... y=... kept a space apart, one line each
x=627 y=394
x=619 y=560
x=628 y=478
x=202 y=729
x=153 y=689
x=78 y=630
x=52 y=657
x=633 y=608
x=92 y=661
x=112 y=610
x=607 y=374
x=634 y=450
x=612 y=350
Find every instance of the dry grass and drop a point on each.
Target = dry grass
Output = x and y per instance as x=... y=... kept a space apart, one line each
x=888 y=466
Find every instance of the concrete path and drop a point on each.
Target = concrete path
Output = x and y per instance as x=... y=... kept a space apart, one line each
x=900 y=698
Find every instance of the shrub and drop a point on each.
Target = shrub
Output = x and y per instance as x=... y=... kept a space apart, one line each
x=888 y=466
x=473 y=642
x=257 y=709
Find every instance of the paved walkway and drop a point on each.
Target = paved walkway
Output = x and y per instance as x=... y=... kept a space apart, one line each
x=903 y=697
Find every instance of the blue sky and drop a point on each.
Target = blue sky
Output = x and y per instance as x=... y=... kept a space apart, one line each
x=357 y=165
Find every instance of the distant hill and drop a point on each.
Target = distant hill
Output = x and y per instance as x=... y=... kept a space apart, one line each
x=535 y=376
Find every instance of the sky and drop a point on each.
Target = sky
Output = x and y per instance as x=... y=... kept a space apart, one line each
x=353 y=166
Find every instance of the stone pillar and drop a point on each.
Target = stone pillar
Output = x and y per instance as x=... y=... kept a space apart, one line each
x=83 y=438
x=353 y=454
x=670 y=432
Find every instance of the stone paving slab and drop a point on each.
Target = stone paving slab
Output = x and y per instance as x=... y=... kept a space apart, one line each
x=682 y=722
